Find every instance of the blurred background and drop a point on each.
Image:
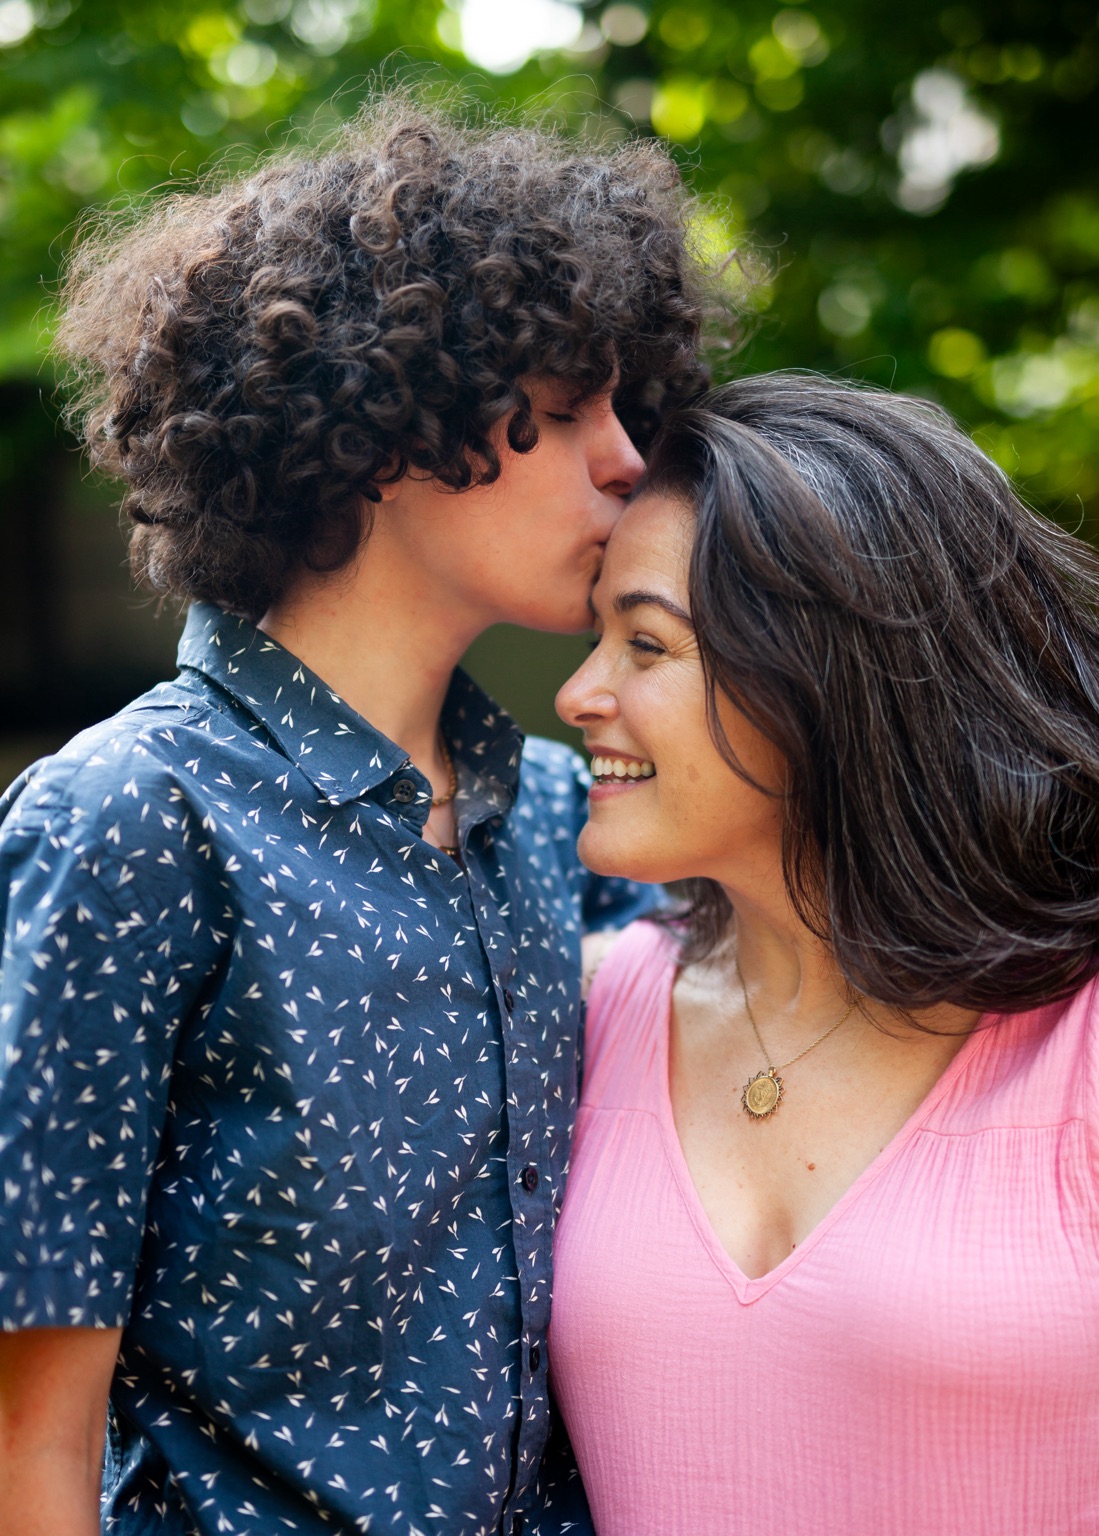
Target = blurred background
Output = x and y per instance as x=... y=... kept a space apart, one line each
x=919 y=182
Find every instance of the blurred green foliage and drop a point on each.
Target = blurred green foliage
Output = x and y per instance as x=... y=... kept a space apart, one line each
x=911 y=188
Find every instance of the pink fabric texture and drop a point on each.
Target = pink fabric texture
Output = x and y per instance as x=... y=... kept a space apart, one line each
x=926 y=1363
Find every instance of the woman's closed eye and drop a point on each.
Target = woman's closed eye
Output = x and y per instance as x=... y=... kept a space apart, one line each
x=645 y=645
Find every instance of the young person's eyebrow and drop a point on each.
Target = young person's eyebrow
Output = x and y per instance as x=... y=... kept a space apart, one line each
x=625 y=602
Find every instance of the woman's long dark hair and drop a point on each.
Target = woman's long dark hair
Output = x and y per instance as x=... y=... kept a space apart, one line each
x=924 y=651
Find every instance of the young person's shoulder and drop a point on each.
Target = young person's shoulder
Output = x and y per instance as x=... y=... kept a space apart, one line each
x=171 y=735
x=139 y=793
x=133 y=747
x=553 y=803
x=553 y=790
x=552 y=769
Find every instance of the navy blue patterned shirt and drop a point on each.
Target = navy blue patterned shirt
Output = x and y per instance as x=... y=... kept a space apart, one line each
x=286 y=1094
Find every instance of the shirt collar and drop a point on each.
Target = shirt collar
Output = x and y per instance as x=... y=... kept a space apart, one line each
x=487 y=746
x=342 y=755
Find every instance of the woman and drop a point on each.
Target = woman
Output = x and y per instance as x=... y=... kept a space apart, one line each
x=829 y=1259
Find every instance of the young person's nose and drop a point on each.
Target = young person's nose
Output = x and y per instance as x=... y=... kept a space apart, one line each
x=617 y=466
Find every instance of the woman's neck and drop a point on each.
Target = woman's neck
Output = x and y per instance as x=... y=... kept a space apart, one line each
x=792 y=978
x=789 y=975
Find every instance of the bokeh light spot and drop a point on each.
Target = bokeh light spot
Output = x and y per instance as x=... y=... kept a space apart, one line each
x=624 y=25
x=945 y=134
x=843 y=310
x=770 y=60
x=781 y=95
x=800 y=34
x=246 y=64
x=635 y=99
x=956 y=353
x=16 y=22
x=679 y=108
x=501 y=35
x=684 y=29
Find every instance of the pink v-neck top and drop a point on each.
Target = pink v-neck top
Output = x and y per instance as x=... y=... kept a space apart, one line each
x=925 y=1363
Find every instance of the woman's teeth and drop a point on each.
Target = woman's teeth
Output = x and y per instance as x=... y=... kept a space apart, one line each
x=617 y=768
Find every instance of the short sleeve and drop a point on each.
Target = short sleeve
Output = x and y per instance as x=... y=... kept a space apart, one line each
x=93 y=991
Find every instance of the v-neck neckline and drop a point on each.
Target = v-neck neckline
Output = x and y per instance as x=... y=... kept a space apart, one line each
x=748 y=1288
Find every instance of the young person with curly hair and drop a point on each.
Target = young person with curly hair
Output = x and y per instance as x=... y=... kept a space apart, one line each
x=290 y=989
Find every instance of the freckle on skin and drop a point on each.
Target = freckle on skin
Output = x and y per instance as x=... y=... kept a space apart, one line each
x=692 y=772
x=811 y=1167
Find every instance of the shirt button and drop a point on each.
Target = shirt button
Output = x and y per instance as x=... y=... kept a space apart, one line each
x=509 y=1000
x=529 y=1178
x=404 y=791
x=535 y=1358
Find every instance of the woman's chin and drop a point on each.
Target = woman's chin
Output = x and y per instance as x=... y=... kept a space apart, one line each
x=605 y=856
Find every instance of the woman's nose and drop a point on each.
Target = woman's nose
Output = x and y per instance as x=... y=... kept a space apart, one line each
x=584 y=699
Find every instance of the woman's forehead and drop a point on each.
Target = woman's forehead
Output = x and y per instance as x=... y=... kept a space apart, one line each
x=650 y=549
x=656 y=523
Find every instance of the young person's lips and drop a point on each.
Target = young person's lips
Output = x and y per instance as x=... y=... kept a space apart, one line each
x=615 y=773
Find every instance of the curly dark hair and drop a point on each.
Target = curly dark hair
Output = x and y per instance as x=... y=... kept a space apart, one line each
x=255 y=359
x=923 y=650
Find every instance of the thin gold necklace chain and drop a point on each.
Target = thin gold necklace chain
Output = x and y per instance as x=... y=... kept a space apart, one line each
x=452 y=776
x=452 y=850
x=771 y=1067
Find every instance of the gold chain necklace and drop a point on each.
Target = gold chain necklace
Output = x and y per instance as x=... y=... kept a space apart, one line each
x=452 y=775
x=452 y=851
x=763 y=1093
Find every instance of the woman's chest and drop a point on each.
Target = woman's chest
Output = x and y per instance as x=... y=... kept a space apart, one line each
x=928 y=1360
x=771 y=1152
x=967 y=1263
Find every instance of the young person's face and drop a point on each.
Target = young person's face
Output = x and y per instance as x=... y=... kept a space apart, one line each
x=526 y=550
x=640 y=700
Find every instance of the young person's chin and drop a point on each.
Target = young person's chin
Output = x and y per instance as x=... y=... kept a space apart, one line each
x=562 y=619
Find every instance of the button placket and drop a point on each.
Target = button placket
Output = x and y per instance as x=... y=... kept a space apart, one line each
x=531 y=1201
x=533 y=1227
x=408 y=796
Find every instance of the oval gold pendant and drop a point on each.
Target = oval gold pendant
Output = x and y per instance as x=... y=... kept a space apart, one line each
x=762 y=1095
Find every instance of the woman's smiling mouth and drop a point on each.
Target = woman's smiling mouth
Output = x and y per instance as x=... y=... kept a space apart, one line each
x=608 y=769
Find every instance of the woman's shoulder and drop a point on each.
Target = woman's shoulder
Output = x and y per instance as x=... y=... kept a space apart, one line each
x=616 y=956
x=628 y=980
x=1038 y=1067
x=1074 y=1050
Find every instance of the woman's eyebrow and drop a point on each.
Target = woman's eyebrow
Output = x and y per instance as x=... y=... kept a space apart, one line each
x=626 y=601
